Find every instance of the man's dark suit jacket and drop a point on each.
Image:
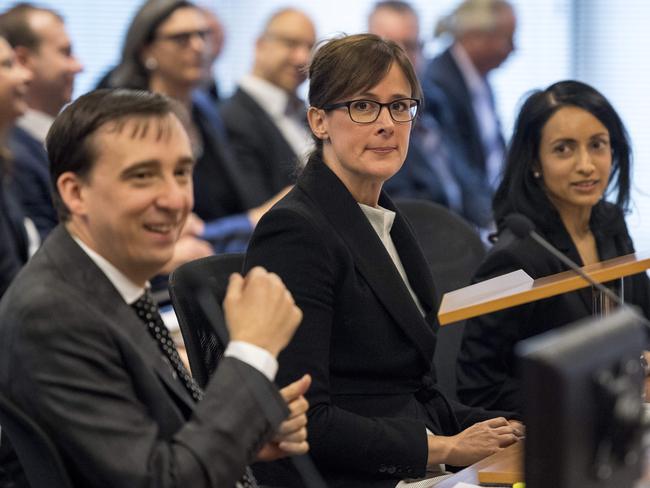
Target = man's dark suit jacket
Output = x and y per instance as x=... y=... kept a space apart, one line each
x=31 y=179
x=262 y=153
x=486 y=365
x=221 y=185
x=362 y=338
x=13 y=238
x=445 y=76
x=76 y=357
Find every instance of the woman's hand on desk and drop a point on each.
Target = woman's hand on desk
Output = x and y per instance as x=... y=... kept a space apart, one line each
x=474 y=443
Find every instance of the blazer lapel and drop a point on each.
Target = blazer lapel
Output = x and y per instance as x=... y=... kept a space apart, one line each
x=371 y=258
x=80 y=270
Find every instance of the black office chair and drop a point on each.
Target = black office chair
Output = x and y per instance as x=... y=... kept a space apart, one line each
x=454 y=250
x=36 y=452
x=197 y=288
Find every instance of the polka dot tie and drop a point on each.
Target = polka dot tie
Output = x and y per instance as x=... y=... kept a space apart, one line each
x=147 y=311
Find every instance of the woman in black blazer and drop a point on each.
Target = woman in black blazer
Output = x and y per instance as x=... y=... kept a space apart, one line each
x=568 y=151
x=351 y=261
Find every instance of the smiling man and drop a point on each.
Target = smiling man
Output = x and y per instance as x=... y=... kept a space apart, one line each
x=42 y=45
x=265 y=120
x=84 y=352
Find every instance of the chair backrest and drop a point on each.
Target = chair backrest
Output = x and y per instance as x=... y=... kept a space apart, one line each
x=36 y=452
x=197 y=290
x=454 y=250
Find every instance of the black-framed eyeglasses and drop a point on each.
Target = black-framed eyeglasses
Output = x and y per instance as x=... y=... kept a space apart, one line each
x=367 y=111
x=183 y=39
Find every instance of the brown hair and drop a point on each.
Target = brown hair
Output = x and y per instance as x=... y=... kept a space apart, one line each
x=70 y=145
x=347 y=65
x=17 y=30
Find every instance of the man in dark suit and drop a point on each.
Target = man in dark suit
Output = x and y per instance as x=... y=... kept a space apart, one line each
x=42 y=45
x=435 y=166
x=482 y=33
x=83 y=350
x=265 y=120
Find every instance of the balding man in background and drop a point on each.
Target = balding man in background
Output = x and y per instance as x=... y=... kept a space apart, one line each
x=42 y=45
x=265 y=119
x=482 y=32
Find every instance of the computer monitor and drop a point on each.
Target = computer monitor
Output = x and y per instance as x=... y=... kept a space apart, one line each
x=582 y=386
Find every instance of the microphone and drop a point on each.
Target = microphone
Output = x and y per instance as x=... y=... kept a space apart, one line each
x=521 y=226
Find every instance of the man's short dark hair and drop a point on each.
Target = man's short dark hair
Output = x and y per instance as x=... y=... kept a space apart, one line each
x=14 y=23
x=69 y=142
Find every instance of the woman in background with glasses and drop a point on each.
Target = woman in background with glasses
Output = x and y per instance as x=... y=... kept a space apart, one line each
x=168 y=50
x=352 y=263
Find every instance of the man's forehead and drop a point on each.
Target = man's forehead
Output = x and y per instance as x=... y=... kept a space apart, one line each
x=40 y=21
x=390 y=24
x=291 y=23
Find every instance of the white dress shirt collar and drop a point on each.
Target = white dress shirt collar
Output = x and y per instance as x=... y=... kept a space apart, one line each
x=36 y=124
x=129 y=291
x=380 y=218
x=271 y=98
x=290 y=120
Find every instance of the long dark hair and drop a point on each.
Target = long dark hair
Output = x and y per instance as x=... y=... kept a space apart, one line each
x=131 y=72
x=519 y=191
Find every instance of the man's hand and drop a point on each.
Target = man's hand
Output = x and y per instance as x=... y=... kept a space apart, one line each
x=291 y=437
x=255 y=214
x=194 y=226
x=186 y=249
x=260 y=310
x=474 y=443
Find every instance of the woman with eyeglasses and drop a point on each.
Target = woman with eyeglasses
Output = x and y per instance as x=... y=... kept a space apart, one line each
x=168 y=50
x=352 y=263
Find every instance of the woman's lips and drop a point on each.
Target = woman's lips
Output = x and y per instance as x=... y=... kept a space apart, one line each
x=382 y=149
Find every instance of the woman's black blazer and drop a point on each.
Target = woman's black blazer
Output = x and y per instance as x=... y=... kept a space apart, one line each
x=487 y=375
x=362 y=338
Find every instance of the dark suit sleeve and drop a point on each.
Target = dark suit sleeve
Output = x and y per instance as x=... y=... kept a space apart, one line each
x=307 y=260
x=77 y=381
x=485 y=372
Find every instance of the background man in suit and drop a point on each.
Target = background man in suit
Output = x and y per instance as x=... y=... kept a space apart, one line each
x=482 y=32
x=265 y=120
x=42 y=45
x=83 y=350
x=432 y=162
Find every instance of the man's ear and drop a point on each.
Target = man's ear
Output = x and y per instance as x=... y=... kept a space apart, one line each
x=318 y=123
x=71 y=189
x=24 y=56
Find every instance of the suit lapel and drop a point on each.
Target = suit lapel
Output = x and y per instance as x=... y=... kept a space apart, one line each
x=371 y=258
x=264 y=120
x=212 y=124
x=83 y=273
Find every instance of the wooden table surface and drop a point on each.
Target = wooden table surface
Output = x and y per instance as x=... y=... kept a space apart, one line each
x=509 y=460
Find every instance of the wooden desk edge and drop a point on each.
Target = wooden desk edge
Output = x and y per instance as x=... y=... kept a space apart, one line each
x=550 y=286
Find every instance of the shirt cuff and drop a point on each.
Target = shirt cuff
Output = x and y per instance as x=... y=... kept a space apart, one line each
x=254 y=356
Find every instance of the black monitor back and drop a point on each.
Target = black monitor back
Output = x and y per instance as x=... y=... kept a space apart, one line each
x=582 y=387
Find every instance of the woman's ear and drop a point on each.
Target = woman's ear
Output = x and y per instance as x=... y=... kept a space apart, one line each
x=318 y=122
